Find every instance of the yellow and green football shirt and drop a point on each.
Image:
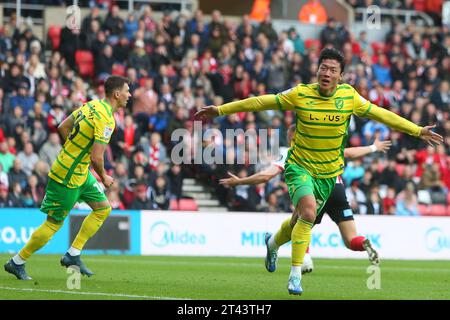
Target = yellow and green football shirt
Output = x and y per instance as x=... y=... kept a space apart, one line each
x=93 y=122
x=322 y=123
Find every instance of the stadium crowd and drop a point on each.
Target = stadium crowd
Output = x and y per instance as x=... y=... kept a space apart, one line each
x=177 y=64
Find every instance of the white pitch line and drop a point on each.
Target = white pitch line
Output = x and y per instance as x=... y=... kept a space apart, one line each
x=258 y=264
x=120 y=295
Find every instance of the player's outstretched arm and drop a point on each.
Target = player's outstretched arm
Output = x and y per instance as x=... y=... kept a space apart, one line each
x=97 y=161
x=261 y=103
x=430 y=137
x=399 y=123
x=260 y=177
x=207 y=112
x=377 y=145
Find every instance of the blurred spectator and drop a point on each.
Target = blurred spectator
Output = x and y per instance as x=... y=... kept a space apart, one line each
x=441 y=96
x=50 y=150
x=41 y=171
x=27 y=198
x=38 y=113
x=114 y=200
x=364 y=42
x=139 y=60
x=356 y=198
x=28 y=158
x=176 y=177
x=94 y=15
x=367 y=182
x=149 y=21
x=276 y=74
x=157 y=151
x=113 y=23
x=22 y=99
x=3 y=177
x=245 y=197
x=389 y=205
x=17 y=175
x=160 y=120
x=389 y=175
x=161 y=193
x=121 y=175
x=373 y=129
x=104 y=63
x=69 y=44
x=144 y=104
x=267 y=29
x=121 y=50
x=415 y=48
x=130 y=26
x=37 y=190
x=15 y=195
x=55 y=117
x=38 y=67
x=99 y=42
x=272 y=203
x=313 y=12
x=260 y=9
x=431 y=180
x=381 y=71
x=127 y=138
x=5 y=199
x=142 y=201
x=6 y=158
x=407 y=202
x=374 y=201
x=330 y=35
x=354 y=171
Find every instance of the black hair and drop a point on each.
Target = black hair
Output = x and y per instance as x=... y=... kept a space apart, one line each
x=332 y=54
x=114 y=83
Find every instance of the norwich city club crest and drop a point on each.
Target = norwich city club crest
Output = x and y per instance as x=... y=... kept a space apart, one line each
x=339 y=103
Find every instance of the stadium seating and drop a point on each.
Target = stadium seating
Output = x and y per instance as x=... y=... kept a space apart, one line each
x=85 y=62
x=119 y=70
x=438 y=210
x=399 y=167
x=378 y=46
x=313 y=42
x=423 y=209
x=433 y=210
x=54 y=35
x=183 y=205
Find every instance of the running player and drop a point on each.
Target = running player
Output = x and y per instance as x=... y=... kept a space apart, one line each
x=316 y=156
x=86 y=132
x=337 y=205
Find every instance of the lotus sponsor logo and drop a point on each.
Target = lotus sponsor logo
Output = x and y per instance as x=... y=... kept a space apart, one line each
x=10 y=235
x=162 y=235
x=436 y=240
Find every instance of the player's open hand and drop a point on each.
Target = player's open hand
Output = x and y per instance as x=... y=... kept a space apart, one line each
x=230 y=182
x=207 y=112
x=107 y=181
x=432 y=138
x=382 y=146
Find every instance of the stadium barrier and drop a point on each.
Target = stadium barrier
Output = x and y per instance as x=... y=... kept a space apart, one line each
x=228 y=234
x=120 y=233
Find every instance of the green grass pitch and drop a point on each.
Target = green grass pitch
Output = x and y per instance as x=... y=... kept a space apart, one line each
x=214 y=278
